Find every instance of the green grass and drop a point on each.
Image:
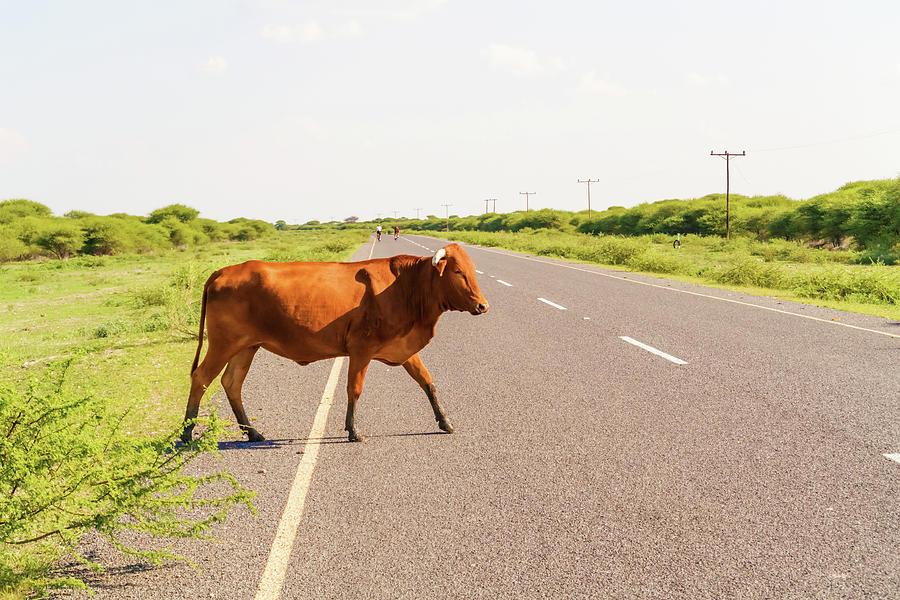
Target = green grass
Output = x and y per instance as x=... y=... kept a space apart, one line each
x=778 y=268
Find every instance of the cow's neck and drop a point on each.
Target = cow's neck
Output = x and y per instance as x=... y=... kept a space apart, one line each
x=422 y=288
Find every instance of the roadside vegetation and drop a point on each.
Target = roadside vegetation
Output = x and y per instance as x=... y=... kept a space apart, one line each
x=28 y=230
x=837 y=249
x=95 y=354
x=789 y=270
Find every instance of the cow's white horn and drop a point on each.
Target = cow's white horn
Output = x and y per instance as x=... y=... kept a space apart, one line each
x=438 y=256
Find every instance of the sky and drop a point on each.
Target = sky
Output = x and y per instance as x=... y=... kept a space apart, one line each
x=321 y=110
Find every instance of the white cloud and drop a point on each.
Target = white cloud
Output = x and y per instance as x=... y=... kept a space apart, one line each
x=310 y=32
x=305 y=33
x=699 y=80
x=520 y=62
x=395 y=9
x=12 y=145
x=216 y=65
x=592 y=85
x=311 y=127
x=350 y=29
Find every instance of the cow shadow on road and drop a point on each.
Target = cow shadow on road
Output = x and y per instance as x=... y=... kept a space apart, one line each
x=292 y=442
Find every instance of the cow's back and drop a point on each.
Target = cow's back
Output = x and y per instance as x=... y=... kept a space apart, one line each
x=276 y=305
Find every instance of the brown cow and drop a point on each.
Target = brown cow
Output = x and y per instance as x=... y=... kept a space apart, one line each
x=384 y=309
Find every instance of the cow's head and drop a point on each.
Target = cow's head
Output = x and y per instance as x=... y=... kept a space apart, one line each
x=456 y=274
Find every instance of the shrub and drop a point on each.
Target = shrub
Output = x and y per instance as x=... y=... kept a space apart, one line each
x=13 y=210
x=179 y=212
x=11 y=248
x=61 y=238
x=655 y=261
x=746 y=270
x=66 y=467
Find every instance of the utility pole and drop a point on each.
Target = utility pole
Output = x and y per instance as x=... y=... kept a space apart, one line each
x=447 y=208
x=486 y=200
x=396 y=212
x=417 y=213
x=589 y=182
x=526 y=194
x=727 y=156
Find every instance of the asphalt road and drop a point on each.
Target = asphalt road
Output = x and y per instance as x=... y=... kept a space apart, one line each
x=744 y=459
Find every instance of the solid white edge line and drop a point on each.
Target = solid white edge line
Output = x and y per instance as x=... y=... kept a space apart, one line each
x=652 y=350
x=553 y=304
x=504 y=283
x=894 y=457
x=672 y=289
x=272 y=579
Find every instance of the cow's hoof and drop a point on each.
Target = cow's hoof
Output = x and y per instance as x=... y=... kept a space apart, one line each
x=445 y=425
x=355 y=437
x=255 y=436
x=187 y=436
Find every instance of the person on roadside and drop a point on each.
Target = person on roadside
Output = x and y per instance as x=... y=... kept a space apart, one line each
x=396 y=232
x=378 y=233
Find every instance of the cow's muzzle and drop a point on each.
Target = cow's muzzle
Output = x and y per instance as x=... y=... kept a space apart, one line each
x=480 y=308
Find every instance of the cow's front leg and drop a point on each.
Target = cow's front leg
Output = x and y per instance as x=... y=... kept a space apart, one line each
x=356 y=375
x=416 y=369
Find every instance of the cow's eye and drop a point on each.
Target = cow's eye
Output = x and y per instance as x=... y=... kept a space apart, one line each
x=459 y=271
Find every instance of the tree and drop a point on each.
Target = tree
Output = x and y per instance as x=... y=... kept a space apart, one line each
x=61 y=238
x=10 y=210
x=351 y=219
x=179 y=211
x=280 y=225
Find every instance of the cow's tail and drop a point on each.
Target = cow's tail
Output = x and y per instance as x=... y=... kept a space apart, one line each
x=202 y=324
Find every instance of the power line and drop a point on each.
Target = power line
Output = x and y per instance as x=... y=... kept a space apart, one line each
x=727 y=156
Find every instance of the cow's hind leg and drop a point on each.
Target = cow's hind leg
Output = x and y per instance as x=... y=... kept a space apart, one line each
x=212 y=364
x=356 y=375
x=416 y=369
x=233 y=381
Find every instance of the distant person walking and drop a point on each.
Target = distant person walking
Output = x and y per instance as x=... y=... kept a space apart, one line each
x=378 y=232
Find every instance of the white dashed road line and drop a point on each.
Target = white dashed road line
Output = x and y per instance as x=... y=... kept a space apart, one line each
x=893 y=457
x=652 y=350
x=504 y=283
x=553 y=304
x=479 y=272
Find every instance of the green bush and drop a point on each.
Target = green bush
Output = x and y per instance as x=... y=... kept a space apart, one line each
x=11 y=248
x=60 y=237
x=13 y=210
x=66 y=467
x=746 y=270
x=179 y=212
x=872 y=285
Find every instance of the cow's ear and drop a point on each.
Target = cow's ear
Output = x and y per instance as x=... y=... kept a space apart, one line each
x=440 y=261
